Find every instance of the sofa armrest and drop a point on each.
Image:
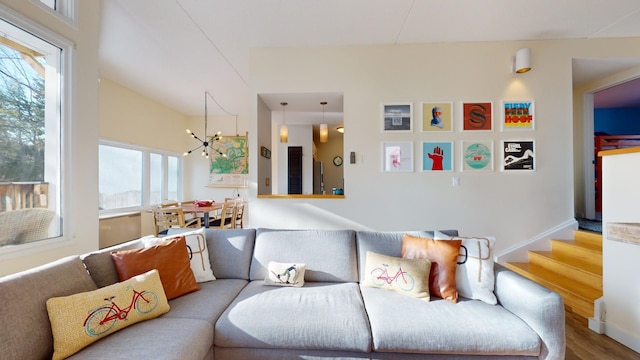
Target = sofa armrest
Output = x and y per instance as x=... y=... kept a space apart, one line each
x=541 y=308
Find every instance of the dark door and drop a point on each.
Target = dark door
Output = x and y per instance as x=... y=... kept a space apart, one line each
x=295 y=170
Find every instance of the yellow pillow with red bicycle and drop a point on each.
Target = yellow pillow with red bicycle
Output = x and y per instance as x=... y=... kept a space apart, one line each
x=406 y=276
x=81 y=319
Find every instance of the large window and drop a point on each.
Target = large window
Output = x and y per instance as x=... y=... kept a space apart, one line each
x=31 y=107
x=65 y=9
x=131 y=178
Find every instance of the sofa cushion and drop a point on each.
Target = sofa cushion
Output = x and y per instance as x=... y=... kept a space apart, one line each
x=285 y=274
x=443 y=255
x=318 y=316
x=23 y=311
x=404 y=324
x=171 y=260
x=230 y=251
x=330 y=255
x=158 y=339
x=406 y=276
x=209 y=302
x=100 y=264
x=81 y=319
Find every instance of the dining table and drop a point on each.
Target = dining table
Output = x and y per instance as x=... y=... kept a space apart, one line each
x=191 y=208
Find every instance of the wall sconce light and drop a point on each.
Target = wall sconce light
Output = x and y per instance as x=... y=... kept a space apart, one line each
x=522 y=61
x=324 y=129
x=284 y=131
x=340 y=129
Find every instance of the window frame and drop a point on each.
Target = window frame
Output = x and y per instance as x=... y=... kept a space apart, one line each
x=146 y=177
x=64 y=116
x=65 y=10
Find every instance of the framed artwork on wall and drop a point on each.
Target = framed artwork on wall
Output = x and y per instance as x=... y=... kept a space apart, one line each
x=477 y=116
x=437 y=116
x=437 y=156
x=517 y=115
x=397 y=156
x=229 y=166
x=477 y=156
x=518 y=155
x=397 y=117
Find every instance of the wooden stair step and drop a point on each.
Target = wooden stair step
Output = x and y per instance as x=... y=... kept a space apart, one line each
x=577 y=296
x=580 y=251
x=574 y=269
x=588 y=237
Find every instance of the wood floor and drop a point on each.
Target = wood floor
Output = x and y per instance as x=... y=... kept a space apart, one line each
x=584 y=344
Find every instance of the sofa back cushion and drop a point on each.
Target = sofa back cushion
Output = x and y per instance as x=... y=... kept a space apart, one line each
x=100 y=265
x=230 y=251
x=330 y=255
x=386 y=242
x=23 y=312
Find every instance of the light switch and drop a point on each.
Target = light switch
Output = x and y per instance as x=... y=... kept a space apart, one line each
x=456 y=181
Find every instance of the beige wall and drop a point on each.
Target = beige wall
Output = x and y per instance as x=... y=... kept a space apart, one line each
x=129 y=117
x=80 y=167
x=514 y=207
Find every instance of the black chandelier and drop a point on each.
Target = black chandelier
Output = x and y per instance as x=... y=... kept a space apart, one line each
x=206 y=144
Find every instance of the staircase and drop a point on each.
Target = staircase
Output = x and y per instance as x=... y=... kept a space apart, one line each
x=573 y=269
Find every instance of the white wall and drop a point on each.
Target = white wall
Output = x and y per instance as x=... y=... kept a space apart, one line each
x=513 y=207
x=621 y=288
x=80 y=186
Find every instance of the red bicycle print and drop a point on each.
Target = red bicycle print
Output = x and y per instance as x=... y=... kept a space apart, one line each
x=402 y=278
x=102 y=319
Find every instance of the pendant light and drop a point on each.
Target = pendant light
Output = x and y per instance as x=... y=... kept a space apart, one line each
x=205 y=144
x=324 y=130
x=284 y=131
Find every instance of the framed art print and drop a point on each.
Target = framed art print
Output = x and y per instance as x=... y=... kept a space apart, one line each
x=397 y=117
x=477 y=156
x=397 y=156
x=517 y=115
x=477 y=116
x=437 y=116
x=518 y=155
x=437 y=156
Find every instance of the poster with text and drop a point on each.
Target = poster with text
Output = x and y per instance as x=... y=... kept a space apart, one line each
x=397 y=117
x=518 y=155
x=517 y=115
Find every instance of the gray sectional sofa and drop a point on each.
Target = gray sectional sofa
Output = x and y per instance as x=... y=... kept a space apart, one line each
x=332 y=316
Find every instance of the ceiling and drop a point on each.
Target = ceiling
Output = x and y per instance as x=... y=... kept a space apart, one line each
x=172 y=51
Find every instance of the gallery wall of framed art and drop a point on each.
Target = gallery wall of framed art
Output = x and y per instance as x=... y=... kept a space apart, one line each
x=460 y=136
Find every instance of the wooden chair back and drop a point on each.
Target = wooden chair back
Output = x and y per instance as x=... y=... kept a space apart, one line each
x=168 y=217
x=226 y=220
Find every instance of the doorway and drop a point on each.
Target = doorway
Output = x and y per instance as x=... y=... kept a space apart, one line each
x=294 y=170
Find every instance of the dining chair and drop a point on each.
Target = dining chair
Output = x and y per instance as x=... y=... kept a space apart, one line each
x=165 y=218
x=239 y=215
x=226 y=220
x=240 y=204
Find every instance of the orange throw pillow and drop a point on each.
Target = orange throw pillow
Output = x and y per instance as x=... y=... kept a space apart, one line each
x=443 y=255
x=170 y=258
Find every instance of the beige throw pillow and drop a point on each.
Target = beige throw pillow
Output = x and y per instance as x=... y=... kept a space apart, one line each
x=406 y=276
x=81 y=319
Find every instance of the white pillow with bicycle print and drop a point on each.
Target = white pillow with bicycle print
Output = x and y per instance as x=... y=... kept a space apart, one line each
x=285 y=274
x=406 y=276
x=81 y=319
